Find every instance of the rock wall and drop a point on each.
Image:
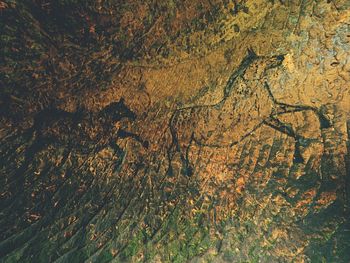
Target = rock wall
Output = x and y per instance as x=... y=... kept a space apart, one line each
x=173 y=131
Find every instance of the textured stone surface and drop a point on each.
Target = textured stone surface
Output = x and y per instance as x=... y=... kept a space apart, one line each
x=240 y=147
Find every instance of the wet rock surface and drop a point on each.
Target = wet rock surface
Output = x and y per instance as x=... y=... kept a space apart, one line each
x=175 y=131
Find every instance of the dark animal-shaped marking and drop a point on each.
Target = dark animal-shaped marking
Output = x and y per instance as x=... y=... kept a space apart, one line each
x=246 y=90
x=84 y=131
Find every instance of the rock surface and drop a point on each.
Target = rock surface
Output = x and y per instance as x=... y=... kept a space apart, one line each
x=239 y=151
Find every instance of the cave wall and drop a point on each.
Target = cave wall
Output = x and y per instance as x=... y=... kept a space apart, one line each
x=172 y=131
